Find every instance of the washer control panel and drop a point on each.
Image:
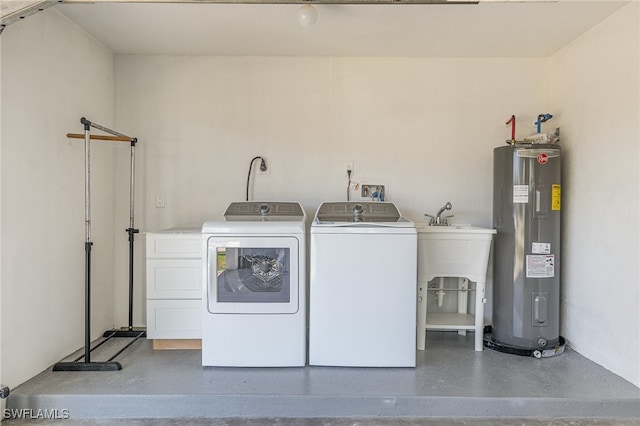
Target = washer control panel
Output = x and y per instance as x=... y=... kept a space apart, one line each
x=358 y=212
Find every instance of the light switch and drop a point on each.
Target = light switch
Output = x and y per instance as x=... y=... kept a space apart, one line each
x=159 y=200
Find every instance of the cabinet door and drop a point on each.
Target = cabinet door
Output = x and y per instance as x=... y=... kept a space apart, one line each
x=174 y=279
x=174 y=319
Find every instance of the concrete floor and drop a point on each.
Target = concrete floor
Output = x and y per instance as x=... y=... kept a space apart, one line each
x=452 y=384
x=334 y=422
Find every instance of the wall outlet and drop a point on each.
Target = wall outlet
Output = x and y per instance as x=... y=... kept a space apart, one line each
x=348 y=165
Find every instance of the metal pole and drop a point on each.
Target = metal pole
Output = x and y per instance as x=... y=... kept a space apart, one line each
x=87 y=244
x=132 y=181
x=87 y=183
x=131 y=229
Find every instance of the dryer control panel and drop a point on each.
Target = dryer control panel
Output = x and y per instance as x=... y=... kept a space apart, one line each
x=264 y=210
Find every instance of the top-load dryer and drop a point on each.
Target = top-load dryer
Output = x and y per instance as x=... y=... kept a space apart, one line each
x=363 y=275
x=254 y=286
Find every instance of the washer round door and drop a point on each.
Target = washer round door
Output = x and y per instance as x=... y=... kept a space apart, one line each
x=252 y=275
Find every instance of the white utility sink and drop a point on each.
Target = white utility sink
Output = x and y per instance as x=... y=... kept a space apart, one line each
x=453 y=251
x=454 y=228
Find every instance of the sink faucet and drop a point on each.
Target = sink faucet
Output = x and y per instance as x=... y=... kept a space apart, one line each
x=438 y=219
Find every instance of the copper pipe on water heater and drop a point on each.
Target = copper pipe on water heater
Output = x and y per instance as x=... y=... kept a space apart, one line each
x=512 y=121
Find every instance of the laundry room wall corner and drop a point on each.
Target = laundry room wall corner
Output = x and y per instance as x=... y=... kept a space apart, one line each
x=53 y=73
x=595 y=92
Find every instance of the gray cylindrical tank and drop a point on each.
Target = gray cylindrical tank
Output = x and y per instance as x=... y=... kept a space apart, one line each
x=526 y=215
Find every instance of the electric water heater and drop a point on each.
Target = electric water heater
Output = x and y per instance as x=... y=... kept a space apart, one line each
x=526 y=216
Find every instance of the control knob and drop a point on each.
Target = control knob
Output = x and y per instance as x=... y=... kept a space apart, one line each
x=357 y=212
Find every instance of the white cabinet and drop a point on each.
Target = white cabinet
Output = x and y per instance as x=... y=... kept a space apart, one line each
x=174 y=289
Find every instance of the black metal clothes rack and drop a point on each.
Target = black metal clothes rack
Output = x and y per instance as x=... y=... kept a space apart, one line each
x=130 y=331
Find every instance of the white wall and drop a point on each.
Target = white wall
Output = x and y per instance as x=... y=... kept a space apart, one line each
x=425 y=128
x=595 y=91
x=52 y=74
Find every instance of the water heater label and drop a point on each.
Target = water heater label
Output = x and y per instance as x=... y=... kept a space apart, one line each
x=540 y=248
x=555 y=196
x=540 y=266
x=543 y=158
x=521 y=194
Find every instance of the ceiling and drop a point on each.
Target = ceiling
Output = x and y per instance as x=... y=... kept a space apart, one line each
x=492 y=29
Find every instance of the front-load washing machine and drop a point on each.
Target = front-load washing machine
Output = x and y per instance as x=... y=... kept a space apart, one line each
x=254 y=286
x=362 y=308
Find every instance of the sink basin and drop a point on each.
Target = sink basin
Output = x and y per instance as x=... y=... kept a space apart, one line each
x=457 y=228
x=453 y=251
